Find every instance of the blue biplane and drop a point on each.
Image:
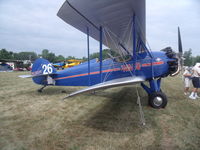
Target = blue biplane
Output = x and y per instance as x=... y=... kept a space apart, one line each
x=119 y=25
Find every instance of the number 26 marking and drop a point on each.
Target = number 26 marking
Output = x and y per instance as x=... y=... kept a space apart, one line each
x=47 y=69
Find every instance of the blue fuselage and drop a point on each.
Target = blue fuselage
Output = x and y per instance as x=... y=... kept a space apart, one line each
x=144 y=66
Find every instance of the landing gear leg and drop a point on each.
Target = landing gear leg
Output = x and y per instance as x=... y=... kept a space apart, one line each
x=41 y=89
x=157 y=99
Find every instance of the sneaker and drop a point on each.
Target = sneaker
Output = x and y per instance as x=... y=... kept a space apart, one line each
x=192 y=97
x=197 y=96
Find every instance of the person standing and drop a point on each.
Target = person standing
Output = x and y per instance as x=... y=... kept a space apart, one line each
x=186 y=79
x=195 y=81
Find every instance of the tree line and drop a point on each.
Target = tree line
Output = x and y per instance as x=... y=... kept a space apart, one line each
x=46 y=54
x=190 y=60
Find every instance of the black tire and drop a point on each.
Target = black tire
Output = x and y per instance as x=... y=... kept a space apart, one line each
x=158 y=100
x=149 y=96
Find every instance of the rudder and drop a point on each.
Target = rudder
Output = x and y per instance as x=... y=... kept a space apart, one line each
x=42 y=68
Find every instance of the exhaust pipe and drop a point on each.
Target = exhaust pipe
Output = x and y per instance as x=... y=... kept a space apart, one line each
x=179 y=57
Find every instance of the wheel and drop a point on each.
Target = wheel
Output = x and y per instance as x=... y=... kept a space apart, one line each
x=158 y=100
x=149 y=96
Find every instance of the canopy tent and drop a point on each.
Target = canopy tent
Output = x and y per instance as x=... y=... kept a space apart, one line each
x=5 y=67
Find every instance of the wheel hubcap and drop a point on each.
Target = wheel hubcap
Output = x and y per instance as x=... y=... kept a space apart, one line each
x=158 y=101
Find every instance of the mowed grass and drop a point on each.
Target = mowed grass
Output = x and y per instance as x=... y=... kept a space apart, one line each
x=107 y=120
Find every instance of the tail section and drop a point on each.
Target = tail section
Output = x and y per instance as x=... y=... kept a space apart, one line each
x=42 y=70
x=42 y=67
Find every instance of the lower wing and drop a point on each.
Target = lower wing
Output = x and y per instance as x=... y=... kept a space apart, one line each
x=108 y=84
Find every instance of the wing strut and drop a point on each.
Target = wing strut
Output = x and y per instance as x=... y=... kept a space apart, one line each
x=100 y=51
x=88 y=47
x=134 y=37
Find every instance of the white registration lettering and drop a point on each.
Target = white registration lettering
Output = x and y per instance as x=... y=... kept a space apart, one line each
x=47 y=69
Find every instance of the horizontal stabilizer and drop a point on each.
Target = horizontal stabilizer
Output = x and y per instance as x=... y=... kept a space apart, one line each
x=31 y=76
x=108 y=84
x=26 y=76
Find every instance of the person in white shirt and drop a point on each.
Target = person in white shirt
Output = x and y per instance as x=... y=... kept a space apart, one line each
x=195 y=81
x=186 y=79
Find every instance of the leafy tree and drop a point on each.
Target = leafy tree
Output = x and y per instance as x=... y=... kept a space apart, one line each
x=25 y=56
x=4 y=54
x=188 y=58
x=49 y=56
x=196 y=59
x=104 y=54
x=45 y=53
x=85 y=59
x=60 y=58
x=70 y=57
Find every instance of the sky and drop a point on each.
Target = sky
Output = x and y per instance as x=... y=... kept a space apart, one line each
x=32 y=25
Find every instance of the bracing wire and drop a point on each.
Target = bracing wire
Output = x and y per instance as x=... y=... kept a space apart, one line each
x=118 y=48
x=143 y=35
x=142 y=118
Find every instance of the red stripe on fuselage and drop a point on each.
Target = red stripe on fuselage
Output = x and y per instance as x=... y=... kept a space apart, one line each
x=154 y=63
x=92 y=73
x=109 y=70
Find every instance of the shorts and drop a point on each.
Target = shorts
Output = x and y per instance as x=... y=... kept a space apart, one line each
x=196 y=82
x=187 y=82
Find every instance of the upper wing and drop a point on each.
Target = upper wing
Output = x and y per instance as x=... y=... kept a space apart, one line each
x=115 y=16
x=111 y=83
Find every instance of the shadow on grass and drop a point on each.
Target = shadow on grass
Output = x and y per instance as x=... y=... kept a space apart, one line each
x=120 y=113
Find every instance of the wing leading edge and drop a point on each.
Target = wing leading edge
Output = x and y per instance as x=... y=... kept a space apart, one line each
x=109 y=84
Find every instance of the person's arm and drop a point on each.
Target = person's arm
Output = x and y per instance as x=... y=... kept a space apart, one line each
x=192 y=72
x=187 y=74
x=198 y=73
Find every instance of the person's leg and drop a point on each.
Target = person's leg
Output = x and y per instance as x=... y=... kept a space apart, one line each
x=193 y=94
x=196 y=95
x=187 y=85
x=195 y=84
x=186 y=89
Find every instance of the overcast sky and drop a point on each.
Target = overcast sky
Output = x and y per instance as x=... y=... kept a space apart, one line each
x=32 y=25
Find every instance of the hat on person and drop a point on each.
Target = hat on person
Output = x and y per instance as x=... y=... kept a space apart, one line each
x=186 y=68
x=197 y=65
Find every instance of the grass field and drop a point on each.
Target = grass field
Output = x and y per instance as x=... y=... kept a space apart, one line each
x=108 y=120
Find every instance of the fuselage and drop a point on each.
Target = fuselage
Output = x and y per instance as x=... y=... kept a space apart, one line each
x=144 y=66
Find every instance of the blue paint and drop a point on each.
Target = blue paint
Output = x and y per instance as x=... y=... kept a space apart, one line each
x=79 y=76
x=60 y=64
x=42 y=66
x=150 y=66
x=154 y=86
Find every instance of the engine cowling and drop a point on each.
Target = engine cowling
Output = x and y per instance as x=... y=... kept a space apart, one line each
x=174 y=67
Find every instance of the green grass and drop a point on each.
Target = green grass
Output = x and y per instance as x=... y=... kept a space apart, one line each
x=108 y=120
